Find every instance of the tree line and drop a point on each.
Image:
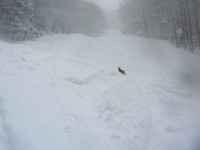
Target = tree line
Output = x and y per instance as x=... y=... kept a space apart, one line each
x=177 y=21
x=29 y=19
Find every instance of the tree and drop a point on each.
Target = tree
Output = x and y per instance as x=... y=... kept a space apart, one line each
x=173 y=20
x=69 y=16
x=27 y=19
x=18 y=20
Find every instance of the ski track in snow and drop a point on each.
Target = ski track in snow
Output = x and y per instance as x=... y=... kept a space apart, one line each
x=64 y=92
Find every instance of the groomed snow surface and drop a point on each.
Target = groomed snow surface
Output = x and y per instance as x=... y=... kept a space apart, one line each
x=64 y=92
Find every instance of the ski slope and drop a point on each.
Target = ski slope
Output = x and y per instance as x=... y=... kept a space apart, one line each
x=64 y=92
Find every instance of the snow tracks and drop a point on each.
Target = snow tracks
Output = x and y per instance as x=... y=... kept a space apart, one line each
x=123 y=112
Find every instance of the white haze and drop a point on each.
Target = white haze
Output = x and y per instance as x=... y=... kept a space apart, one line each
x=108 y=5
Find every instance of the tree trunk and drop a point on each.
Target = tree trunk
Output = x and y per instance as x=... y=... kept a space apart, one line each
x=190 y=27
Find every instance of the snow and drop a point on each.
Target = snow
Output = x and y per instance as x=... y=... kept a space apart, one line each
x=64 y=92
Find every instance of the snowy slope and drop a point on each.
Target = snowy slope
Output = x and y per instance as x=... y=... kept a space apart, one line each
x=63 y=92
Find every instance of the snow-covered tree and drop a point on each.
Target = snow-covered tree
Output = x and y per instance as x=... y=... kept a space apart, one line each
x=27 y=19
x=134 y=18
x=17 y=20
x=69 y=16
x=163 y=19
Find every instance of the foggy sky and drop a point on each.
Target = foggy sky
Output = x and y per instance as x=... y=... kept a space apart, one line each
x=107 y=5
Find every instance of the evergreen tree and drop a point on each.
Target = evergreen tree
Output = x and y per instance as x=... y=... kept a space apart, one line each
x=173 y=20
x=27 y=19
x=18 y=20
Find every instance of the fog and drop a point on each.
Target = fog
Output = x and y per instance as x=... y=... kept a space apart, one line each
x=110 y=5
